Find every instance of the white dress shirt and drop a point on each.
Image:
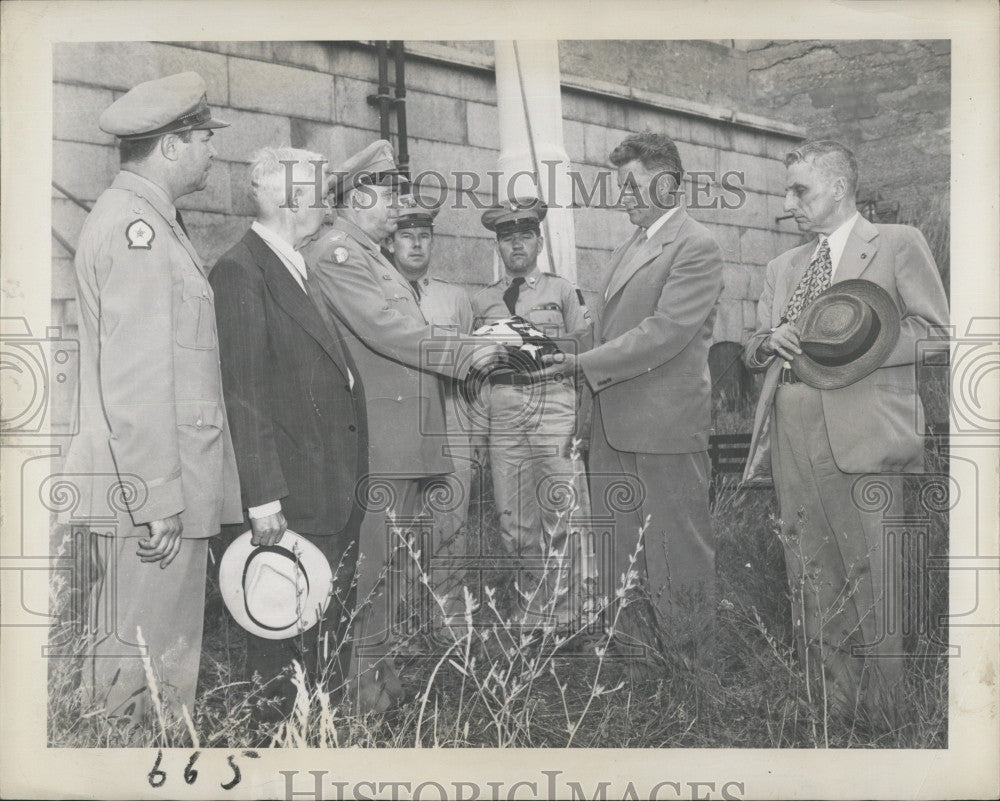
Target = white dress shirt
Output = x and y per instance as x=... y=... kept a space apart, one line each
x=289 y=256
x=660 y=221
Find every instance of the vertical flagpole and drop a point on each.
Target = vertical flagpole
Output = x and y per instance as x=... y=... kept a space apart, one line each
x=533 y=160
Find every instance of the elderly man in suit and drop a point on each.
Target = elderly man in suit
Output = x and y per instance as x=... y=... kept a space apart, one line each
x=154 y=442
x=648 y=370
x=819 y=443
x=401 y=359
x=295 y=403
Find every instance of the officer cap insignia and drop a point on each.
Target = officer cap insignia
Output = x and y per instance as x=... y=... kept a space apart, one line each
x=140 y=235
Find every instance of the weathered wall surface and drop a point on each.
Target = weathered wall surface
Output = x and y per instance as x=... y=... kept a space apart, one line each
x=730 y=105
x=889 y=101
x=313 y=95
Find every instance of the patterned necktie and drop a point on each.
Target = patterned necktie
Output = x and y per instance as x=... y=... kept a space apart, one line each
x=510 y=296
x=180 y=222
x=416 y=288
x=817 y=278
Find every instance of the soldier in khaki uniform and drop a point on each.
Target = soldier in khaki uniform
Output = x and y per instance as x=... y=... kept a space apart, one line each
x=154 y=453
x=386 y=334
x=540 y=490
x=446 y=306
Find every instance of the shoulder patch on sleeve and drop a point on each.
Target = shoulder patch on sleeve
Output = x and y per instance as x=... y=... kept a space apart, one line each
x=340 y=255
x=140 y=235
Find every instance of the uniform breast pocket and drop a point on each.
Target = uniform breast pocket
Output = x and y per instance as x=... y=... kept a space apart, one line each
x=547 y=318
x=196 y=316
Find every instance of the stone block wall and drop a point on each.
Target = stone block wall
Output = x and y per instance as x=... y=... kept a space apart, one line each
x=888 y=100
x=313 y=95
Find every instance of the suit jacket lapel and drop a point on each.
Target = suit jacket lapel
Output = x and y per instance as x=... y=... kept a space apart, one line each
x=289 y=295
x=862 y=244
x=646 y=252
x=616 y=259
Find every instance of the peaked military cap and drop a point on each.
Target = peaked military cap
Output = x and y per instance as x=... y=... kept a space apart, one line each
x=172 y=104
x=417 y=210
x=375 y=165
x=515 y=215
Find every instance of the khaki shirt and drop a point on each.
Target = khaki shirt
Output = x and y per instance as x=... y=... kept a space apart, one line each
x=550 y=302
x=445 y=304
x=152 y=417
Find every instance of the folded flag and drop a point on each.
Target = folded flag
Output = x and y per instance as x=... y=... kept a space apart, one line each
x=525 y=344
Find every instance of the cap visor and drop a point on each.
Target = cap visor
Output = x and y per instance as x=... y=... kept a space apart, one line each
x=212 y=123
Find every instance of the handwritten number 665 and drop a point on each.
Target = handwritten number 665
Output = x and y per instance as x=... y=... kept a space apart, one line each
x=157 y=777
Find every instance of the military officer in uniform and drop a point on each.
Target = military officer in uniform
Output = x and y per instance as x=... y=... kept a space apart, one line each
x=387 y=336
x=539 y=483
x=448 y=307
x=154 y=453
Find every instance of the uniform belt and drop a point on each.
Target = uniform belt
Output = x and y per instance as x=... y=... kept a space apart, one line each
x=788 y=377
x=513 y=379
x=517 y=379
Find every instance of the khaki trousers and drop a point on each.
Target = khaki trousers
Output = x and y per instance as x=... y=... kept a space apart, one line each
x=542 y=498
x=834 y=556
x=385 y=562
x=166 y=604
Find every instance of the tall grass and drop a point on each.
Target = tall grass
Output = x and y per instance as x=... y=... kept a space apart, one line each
x=494 y=680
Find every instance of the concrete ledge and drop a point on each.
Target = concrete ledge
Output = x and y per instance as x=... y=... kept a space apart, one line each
x=480 y=61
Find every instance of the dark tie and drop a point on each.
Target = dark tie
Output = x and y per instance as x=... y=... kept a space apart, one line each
x=816 y=278
x=510 y=296
x=180 y=222
x=416 y=288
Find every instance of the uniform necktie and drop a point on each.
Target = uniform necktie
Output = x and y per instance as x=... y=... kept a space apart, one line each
x=510 y=296
x=416 y=288
x=817 y=278
x=180 y=222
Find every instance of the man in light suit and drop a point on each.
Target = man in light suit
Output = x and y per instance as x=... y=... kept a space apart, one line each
x=819 y=443
x=154 y=453
x=295 y=404
x=401 y=359
x=648 y=370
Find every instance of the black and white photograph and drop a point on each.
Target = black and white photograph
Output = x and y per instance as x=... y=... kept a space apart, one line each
x=476 y=400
